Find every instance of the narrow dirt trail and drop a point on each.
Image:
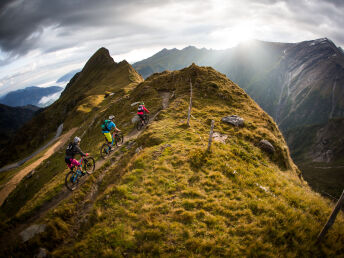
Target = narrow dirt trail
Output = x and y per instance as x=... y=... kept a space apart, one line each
x=87 y=204
x=11 y=185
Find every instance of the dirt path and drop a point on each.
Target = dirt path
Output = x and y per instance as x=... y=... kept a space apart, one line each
x=86 y=204
x=21 y=162
x=11 y=185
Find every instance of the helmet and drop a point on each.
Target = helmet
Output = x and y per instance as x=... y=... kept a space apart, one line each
x=111 y=117
x=76 y=139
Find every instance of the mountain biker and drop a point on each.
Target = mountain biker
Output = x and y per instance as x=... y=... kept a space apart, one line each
x=107 y=126
x=73 y=149
x=141 y=111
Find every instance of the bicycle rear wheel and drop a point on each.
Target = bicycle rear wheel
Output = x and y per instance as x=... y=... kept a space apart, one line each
x=105 y=150
x=89 y=165
x=119 y=139
x=71 y=180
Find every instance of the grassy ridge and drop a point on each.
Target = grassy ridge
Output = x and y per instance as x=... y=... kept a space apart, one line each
x=85 y=91
x=175 y=199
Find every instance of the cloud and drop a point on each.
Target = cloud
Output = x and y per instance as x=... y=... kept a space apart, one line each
x=23 y=24
x=59 y=36
x=47 y=100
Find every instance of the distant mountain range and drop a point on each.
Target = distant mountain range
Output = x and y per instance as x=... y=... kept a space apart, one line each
x=33 y=95
x=298 y=84
x=80 y=98
x=12 y=118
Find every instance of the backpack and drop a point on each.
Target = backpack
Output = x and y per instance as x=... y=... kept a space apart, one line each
x=105 y=125
x=70 y=149
x=140 y=109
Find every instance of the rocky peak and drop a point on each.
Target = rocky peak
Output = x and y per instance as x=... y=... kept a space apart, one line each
x=99 y=59
x=124 y=63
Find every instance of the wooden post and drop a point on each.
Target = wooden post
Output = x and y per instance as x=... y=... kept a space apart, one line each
x=332 y=217
x=190 y=106
x=211 y=135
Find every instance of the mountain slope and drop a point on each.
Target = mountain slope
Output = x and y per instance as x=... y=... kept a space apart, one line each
x=163 y=194
x=12 y=118
x=29 y=96
x=299 y=84
x=309 y=79
x=82 y=94
x=296 y=83
x=319 y=149
x=175 y=59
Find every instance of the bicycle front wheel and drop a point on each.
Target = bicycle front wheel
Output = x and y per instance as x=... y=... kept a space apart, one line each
x=146 y=119
x=118 y=139
x=139 y=125
x=89 y=165
x=71 y=180
x=105 y=151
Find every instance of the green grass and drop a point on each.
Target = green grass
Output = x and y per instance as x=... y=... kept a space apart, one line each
x=81 y=96
x=188 y=202
x=175 y=199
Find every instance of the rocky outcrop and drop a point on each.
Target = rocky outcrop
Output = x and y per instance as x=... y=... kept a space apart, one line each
x=266 y=146
x=233 y=120
x=31 y=231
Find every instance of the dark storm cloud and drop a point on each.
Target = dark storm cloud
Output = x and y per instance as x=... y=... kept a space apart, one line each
x=22 y=22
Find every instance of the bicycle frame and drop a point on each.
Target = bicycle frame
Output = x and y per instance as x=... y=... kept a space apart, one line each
x=81 y=161
x=113 y=138
x=78 y=170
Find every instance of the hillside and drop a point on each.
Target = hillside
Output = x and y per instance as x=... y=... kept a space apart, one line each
x=33 y=95
x=85 y=91
x=296 y=83
x=299 y=84
x=12 y=118
x=323 y=145
x=162 y=194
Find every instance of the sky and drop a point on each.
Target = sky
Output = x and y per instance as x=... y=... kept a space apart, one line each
x=42 y=40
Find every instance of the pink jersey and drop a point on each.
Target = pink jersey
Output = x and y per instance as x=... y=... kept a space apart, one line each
x=73 y=162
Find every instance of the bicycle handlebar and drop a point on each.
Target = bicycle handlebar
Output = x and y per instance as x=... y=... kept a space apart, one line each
x=82 y=157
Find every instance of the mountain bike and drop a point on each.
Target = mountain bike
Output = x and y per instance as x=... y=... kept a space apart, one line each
x=106 y=148
x=141 y=123
x=73 y=177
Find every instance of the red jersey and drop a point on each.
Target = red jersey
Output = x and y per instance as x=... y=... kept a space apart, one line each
x=141 y=109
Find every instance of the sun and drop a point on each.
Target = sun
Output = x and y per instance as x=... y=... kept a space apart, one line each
x=233 y=36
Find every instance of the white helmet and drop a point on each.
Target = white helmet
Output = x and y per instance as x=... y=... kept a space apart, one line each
x=76 y=139
x=111 y=117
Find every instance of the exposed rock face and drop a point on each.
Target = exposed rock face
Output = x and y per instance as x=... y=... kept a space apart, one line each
x=31 y=231
x=234 y=120
x=266 y=146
